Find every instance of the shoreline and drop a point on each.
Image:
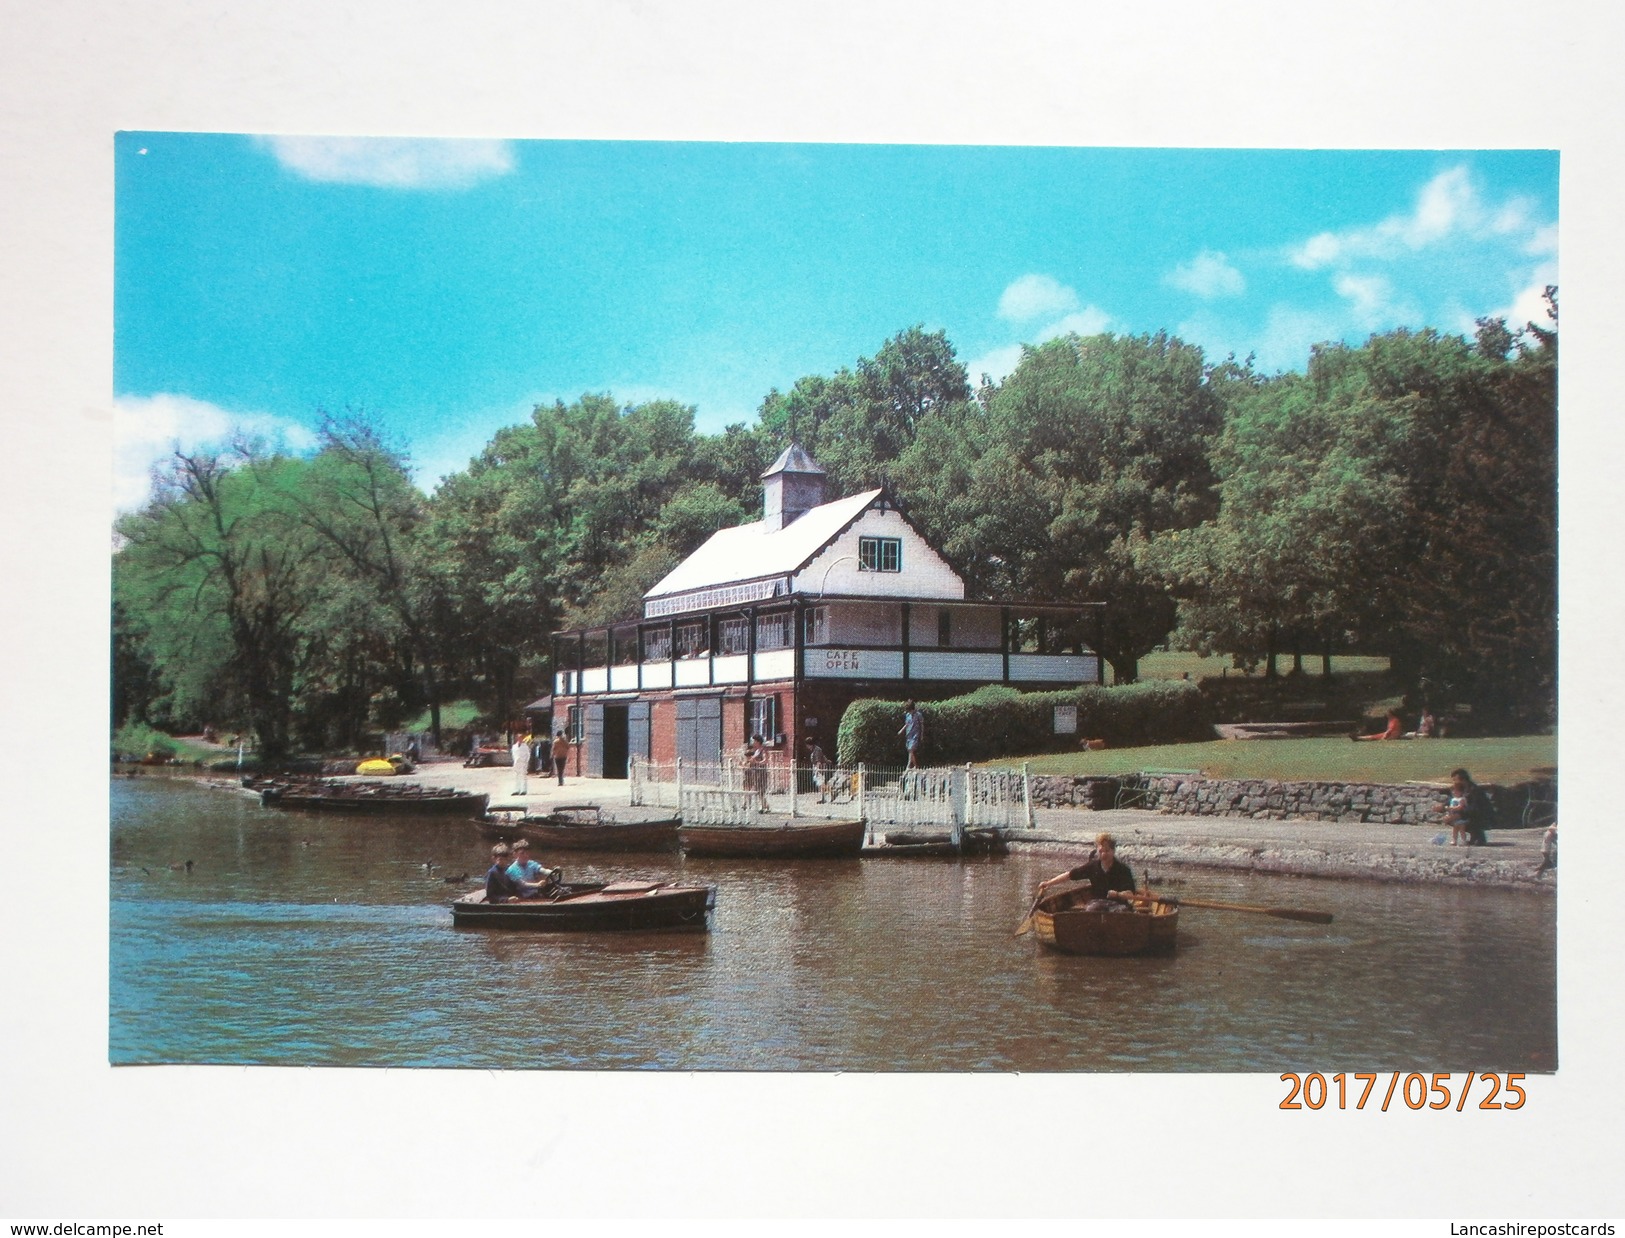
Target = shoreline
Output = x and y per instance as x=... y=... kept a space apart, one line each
x=1323 y=850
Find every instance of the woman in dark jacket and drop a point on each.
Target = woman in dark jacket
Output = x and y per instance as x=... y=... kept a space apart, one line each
x=1470 y=810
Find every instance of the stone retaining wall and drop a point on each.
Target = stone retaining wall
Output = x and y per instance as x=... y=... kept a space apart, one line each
x=1268 y=799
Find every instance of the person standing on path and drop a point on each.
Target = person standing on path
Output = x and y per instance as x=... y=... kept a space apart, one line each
x=820 y=765
x=561 y=754
x=756 y=772
x=913 y=732
x=521 y=763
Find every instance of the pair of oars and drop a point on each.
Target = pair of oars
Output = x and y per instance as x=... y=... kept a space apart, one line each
x=1280 y=913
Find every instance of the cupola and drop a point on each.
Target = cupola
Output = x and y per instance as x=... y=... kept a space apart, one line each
x=791 y=487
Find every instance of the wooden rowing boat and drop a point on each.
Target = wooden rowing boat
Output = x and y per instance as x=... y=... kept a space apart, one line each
x=980 y=840
x=586 y=828
x=794 y=840
x=374 y=797
x=1144 y=927
x=619 y=906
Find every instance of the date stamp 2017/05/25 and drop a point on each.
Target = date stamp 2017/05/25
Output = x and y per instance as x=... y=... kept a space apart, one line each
x=1415 y=1091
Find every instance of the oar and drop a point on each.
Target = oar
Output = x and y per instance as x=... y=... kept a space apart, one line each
x=1027 y=921
x=1280 y=913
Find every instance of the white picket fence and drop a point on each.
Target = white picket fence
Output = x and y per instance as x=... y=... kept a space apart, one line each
x=717 y=806
x=944 y=796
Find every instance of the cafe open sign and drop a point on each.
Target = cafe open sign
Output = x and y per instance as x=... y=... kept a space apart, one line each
x=854 y=663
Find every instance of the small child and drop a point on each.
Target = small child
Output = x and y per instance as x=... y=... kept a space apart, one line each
x=1452 y=816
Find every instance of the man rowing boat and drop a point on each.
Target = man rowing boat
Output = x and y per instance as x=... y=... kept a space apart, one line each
x=1103 y=871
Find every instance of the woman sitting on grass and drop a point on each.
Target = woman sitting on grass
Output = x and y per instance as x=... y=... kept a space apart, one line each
x=1394 y=730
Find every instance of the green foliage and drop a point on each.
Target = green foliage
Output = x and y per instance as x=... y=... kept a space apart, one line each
x=1399 y=498
x=997 y=720
x=1048 y=488
x=1174 y=664
x=136 y=740
x=857 y=424
x=218 y=576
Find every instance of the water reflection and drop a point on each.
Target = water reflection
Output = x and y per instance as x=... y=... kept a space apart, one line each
x=312 y=940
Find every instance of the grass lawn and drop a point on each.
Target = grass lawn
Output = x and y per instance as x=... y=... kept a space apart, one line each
x=454 y=715
x=188 y=749
x=1501 y=760
x=1173 y=665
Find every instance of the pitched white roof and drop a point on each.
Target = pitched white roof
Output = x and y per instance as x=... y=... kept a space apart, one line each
x=751 y=551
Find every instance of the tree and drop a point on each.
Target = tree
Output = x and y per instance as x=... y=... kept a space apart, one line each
x=1088 y=448
x=559 y=522
x=360 y=502
x=217 y=573
x=1399 y=498
x=1292 y=558
x=857 y=424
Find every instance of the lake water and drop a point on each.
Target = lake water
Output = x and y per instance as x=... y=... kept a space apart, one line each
x=313 y=940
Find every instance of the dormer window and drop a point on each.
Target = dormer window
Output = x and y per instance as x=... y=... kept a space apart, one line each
x=880 y=554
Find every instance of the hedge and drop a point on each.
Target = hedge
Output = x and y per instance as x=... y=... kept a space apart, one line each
x=998 y=721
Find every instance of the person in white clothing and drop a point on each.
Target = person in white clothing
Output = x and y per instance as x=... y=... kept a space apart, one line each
x=521 y=763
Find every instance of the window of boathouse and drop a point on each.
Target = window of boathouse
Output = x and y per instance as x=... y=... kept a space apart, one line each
x=764 y=717
x=775 y=631
x=693 y=640
x=733 y=636
x=880 y=554
x=656 y=644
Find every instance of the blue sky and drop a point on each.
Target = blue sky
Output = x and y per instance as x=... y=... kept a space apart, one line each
x=448 y=286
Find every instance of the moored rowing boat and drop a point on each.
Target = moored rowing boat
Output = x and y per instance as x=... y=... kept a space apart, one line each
x=374 y=797
x=1141 y=926
x=977 y=840
x=586 y=828
x=796 y=840
x=618 y=906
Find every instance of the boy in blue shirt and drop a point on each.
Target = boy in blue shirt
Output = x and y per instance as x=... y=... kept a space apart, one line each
x=530 y=877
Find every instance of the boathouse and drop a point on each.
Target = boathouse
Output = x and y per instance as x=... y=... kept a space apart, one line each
x=774 y=627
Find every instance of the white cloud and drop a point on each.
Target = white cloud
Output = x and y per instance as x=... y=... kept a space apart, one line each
x=1289 y=333
x=1543 y=240
x=1036 y=296
x=1529 y=304
x=1368 y=296
x=394 y=163
x=1449 y=207
x=996 y=364
x=147 y=430
x=1208 y=275
x=1090 y=320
